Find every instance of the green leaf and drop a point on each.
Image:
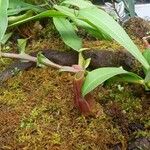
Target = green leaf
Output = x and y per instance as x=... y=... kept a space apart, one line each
x=91 y=30
x=84 y=63
x=87 y=63
x=81 y=60
x=67 y=11
x=3 y=17
x=16 y=6
x=78 y=3
x=67 y=33
x=6 y=37
x=41 y=60
x=129 y=77
x=146 y=55
x=48 y=13
x=73 y=14
x=130 y=7
x=22 y=45
x=100 y=19
x=14 y=19
x=147 y=79
x=98 y=76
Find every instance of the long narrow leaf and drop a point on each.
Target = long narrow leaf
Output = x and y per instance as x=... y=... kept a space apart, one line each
x=16 y=6
x=73 y=14
x=91 y=30
x=48 y=13
x=146 y=55
x=6 y=37
x=106 y=23
x=147 y=78
x=3 y=17
x=128 y=77
x=131 y=7
x=98 y=76
x=67 y=33
x=67 y=11
x=14 y=19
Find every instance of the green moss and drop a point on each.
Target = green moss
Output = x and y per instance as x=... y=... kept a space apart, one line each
x=142 y=134
x=128 y=103
x=12 y=97
x=4 y=63
x=30 y=120
x=55 y=138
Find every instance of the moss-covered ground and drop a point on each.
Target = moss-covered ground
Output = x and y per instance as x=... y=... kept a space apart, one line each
x=37 y=111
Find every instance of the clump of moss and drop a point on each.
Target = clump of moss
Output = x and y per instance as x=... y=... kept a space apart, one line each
x=137 y=27
x=124 y=96
x=48 y=118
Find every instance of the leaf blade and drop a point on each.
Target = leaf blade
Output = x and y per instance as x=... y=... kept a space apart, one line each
x=73 y=14
x=16 y=6
x=108 y=25
x=3 y=17
x=98 y=76
x=67 y=33
x=47 y=13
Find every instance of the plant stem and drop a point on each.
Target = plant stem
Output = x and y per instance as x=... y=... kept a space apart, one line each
x=19 y=56
x=34 y=59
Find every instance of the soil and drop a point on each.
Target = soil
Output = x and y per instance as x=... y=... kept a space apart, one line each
x=37 y=110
